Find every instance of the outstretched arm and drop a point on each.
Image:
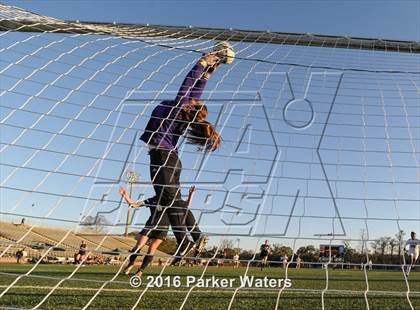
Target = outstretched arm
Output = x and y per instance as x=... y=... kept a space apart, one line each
x=127 y=198
x=194 y=83
x=190 y=194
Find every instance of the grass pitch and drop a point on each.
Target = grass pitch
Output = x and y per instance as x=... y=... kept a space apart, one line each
x=387 y=289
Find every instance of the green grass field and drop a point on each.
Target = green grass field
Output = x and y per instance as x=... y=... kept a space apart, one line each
x=387 y=289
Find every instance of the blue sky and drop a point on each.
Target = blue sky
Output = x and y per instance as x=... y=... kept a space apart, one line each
x=370 y=147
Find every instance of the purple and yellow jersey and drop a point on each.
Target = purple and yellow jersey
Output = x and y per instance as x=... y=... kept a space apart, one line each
x=164 y=129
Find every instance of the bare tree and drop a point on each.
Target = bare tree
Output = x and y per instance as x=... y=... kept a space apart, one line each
x=227 y=244
x=95 y=224
x=400 y=238
x=363 y=238
x=376 y=245
x=384 y=244
x=393 y=243
x=348 y=250
x=308 y=253
x=279 y=251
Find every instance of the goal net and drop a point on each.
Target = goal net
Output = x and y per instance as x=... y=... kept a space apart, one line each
x=319 y=155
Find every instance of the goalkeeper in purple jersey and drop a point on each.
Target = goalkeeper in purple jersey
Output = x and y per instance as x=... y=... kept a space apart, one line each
x=171 y=119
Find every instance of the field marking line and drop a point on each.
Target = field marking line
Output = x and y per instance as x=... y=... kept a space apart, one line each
x=221 y=290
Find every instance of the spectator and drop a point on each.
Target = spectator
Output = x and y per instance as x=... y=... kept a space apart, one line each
x=19 y=255
x=81 y=254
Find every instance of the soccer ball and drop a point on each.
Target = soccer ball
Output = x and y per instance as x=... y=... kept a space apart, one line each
x=225 y=51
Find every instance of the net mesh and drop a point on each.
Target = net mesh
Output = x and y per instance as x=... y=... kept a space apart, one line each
x=320 y=140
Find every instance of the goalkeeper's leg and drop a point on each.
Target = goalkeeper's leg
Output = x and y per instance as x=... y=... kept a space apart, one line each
x=165 y=171
x=191 y=224
x=184 y=246
x=141 y=242
x=156 y=228
x=149 y=257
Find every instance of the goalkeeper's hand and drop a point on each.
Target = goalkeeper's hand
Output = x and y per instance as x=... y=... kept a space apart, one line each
x=210 y=61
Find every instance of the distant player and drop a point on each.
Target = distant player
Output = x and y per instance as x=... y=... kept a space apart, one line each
x=265 y=250
x=236 y=261
x=285 y=258
x=19 y=255
x=413 y=251
x=221 y=260
x=298 y=262
x=81 y=254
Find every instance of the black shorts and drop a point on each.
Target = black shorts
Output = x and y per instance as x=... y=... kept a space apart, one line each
x=263 y=255
x=157 y=225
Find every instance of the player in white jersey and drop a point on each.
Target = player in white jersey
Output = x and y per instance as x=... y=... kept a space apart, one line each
x=236 y=261
x=413 y=250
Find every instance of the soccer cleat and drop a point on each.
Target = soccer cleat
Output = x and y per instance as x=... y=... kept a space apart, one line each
x=189 y=249
x=201 y=244
x=139 y=273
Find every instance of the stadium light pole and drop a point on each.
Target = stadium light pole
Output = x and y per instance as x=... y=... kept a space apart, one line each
x=131 y=177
